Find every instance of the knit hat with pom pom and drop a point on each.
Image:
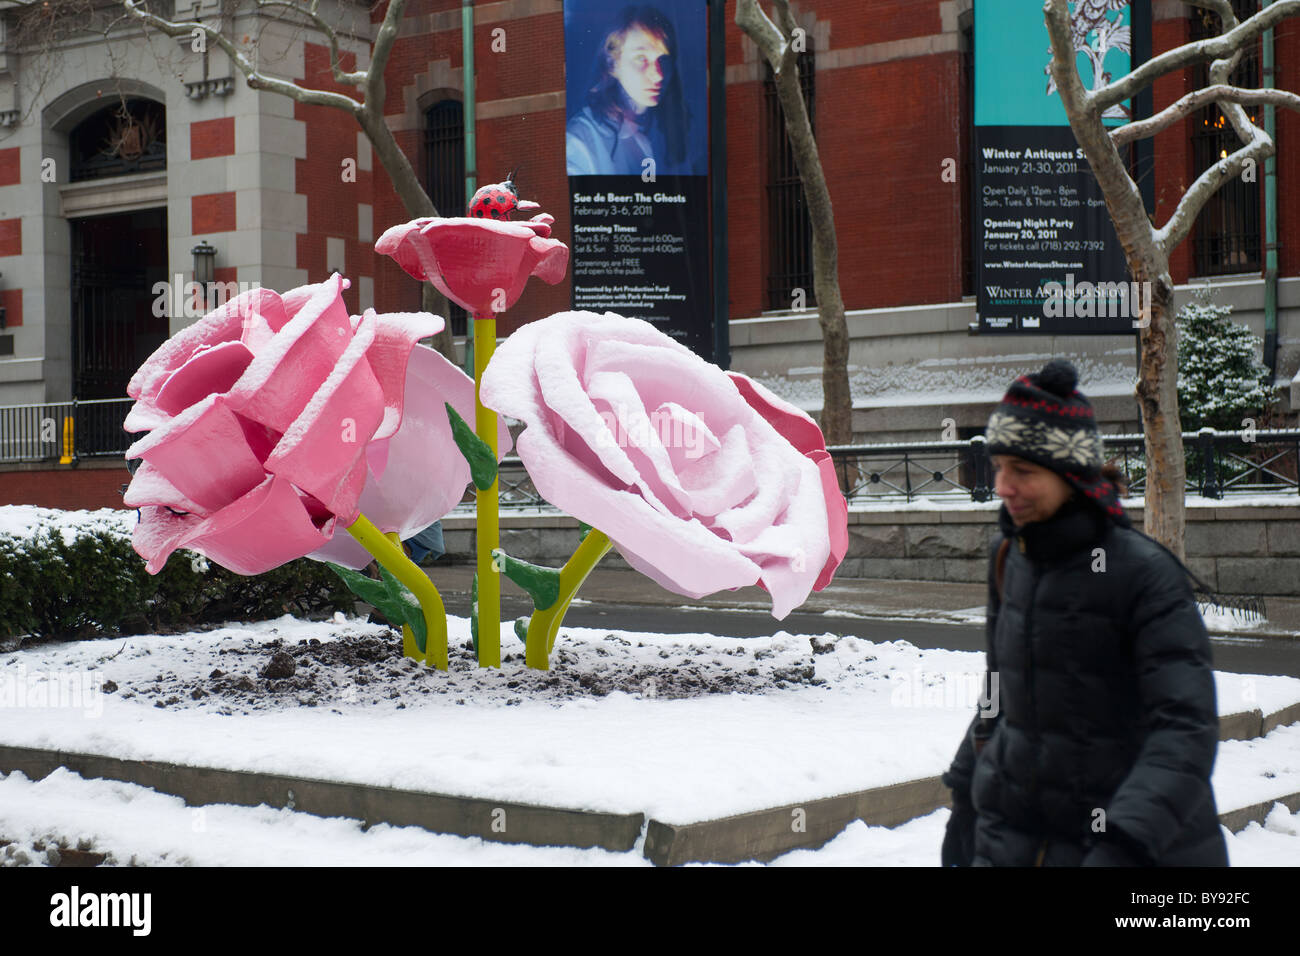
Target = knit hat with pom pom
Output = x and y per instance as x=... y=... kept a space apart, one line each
x=1046 y=420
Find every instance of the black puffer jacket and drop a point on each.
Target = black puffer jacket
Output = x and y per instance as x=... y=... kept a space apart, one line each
x=1100 y=747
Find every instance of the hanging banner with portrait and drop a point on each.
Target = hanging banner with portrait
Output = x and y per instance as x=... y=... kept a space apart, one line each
x=636 y=152
x=1047 y=259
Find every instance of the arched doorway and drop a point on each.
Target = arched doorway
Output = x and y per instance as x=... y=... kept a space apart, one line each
x=117 y=257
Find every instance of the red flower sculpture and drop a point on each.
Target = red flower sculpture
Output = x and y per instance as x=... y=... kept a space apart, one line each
x=481 y=264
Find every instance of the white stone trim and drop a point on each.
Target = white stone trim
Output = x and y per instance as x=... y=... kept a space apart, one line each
x=98 y=197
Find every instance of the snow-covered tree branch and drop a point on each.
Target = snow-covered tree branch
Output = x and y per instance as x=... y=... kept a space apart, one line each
x=1186 y=105
x=1147 y=247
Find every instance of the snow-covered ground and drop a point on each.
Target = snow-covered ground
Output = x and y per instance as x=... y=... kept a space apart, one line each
x=133 y=825
x=681 y=727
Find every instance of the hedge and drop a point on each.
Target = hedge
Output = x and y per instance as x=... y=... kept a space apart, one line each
x=97 y=586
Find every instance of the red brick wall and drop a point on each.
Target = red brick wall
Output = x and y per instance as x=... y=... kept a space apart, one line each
x=332 y=202
x=11 y=237
x=12 y=300
x=898 y=224
x=214 y=137
x=10 y=173
x=68 y=488
x=214 y=212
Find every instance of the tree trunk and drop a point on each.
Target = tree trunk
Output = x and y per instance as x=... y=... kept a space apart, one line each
x=777 y=47
x=1157 y=393
x=837 y=404
x=418 y=205
x=1148 y=260
x=431 y=300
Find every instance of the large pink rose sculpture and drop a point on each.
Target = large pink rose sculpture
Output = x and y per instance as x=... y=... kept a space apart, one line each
x=275 y=420
x=704 y=480
x=480 y=264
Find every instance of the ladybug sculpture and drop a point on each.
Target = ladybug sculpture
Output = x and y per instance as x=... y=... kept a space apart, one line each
x=499 y=200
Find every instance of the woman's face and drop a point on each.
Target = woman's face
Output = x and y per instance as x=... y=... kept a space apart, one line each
x=1030 y=492
x=640 y=68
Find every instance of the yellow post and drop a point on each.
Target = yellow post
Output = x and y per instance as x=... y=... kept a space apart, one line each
x=405 y=570
x=409 y=646
x=66 y=458
x=488 y=525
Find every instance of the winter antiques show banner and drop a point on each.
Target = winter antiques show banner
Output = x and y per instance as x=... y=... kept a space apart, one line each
x=636 y=148
x=1047 y=259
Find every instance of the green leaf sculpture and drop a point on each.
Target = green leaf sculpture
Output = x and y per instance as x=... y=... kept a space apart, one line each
x=542 y=584
x=388 y=597
x=482 y=462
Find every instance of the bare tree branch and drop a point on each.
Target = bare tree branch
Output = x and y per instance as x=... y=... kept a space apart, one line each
x=384 y=40
x=1175 y=230
x=786 y=18
x=1209 y=49
x=1084 y=113
x=1258 y=145
x=313 y=17
x=255 y=77
x=1141 y=129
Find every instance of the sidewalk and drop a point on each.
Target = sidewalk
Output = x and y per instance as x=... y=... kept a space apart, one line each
x=868 y=597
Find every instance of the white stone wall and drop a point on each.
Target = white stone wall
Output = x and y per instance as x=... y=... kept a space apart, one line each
x=261 y=174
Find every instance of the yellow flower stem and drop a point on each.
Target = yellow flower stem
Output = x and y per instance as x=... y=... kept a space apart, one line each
x=409 y=647
x=392 y=557
x=544 y=625
x=488 y=524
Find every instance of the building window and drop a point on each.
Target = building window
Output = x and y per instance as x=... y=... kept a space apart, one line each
x=128 y=137
x=1227 y=236
x=444 y=150
x=789 y=230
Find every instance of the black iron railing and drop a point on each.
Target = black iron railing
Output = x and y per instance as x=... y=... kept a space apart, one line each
x=1217 y=464
x=63 y=431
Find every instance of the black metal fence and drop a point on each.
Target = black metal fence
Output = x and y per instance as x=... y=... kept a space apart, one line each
x=62 y=431
x=1217 y=464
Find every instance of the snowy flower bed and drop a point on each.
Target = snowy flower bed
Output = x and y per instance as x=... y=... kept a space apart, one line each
x=682 y=727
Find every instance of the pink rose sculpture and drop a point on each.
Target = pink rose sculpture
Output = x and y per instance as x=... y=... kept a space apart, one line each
x=704 y=480
x=481 y=264
x=275 y=420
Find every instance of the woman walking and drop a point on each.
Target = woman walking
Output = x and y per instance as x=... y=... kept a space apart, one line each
x=1099 y=735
